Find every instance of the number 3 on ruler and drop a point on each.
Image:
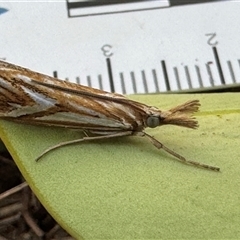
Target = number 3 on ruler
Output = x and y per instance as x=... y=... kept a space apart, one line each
x=107 y=50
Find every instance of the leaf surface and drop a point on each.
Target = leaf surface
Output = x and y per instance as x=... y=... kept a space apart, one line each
x=126 y=188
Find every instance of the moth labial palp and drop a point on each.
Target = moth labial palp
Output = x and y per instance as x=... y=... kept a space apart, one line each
x=33 y=98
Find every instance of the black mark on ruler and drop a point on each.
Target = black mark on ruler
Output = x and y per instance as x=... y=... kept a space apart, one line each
x=210 y=73
x=177 y=78
x=133 y=82
x=165 y=74
x=199 y=75
x=89 y=81
x=231 y=71
x=110 y=75
x=188 y=76
x=100 y=81
x=55 y=75
x=78 y=80
x=123 y=83
x=219 y=67
x=155 y=80
x=144 y=81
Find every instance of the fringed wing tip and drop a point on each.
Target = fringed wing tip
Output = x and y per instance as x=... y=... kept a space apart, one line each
x=191 y=123
x=182 y=115
x=188 y=107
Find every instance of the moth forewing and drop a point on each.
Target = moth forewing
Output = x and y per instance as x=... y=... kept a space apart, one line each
x=33 y=98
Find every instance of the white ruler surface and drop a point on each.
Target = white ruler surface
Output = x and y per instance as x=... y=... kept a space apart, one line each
x=176 y=46
x=136 y=46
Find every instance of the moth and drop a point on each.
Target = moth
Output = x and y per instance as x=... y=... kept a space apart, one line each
x=29 y=97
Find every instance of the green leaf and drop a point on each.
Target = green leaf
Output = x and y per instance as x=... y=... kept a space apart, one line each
x=126 y=188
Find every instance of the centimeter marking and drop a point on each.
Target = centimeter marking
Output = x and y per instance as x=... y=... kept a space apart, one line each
x=219 y=67
x=165 y=73
x=176 y=73
x=110 y=75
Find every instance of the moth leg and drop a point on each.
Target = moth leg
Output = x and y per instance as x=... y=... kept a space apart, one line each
x=87 y=138
x=180 y=158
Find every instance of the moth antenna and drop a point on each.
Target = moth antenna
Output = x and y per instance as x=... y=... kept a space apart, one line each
x=182 y=115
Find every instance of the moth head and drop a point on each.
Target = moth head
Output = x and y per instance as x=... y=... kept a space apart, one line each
x=153 y=121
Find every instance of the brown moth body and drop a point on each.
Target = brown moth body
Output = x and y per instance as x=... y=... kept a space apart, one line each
x=33 y=98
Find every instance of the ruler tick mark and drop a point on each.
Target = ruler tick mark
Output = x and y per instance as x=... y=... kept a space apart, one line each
x=231 y=71
x=165 y=74
x=55 y=75
x=155 y=80
x=110 y=75
x=122 y=83
x=144 y=81
x=199 y=75
x=175 y=70
x=100 y=81
x=78 y=80
x=219 y=67
x=210 y=73
x=89 y=81
x=133 y=82
x=188 y=77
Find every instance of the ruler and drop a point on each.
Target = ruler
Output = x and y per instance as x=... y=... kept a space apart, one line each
x=134 y=46
x=164 y=46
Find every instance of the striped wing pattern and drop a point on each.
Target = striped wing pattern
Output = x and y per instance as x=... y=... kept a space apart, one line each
x=34 y=98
